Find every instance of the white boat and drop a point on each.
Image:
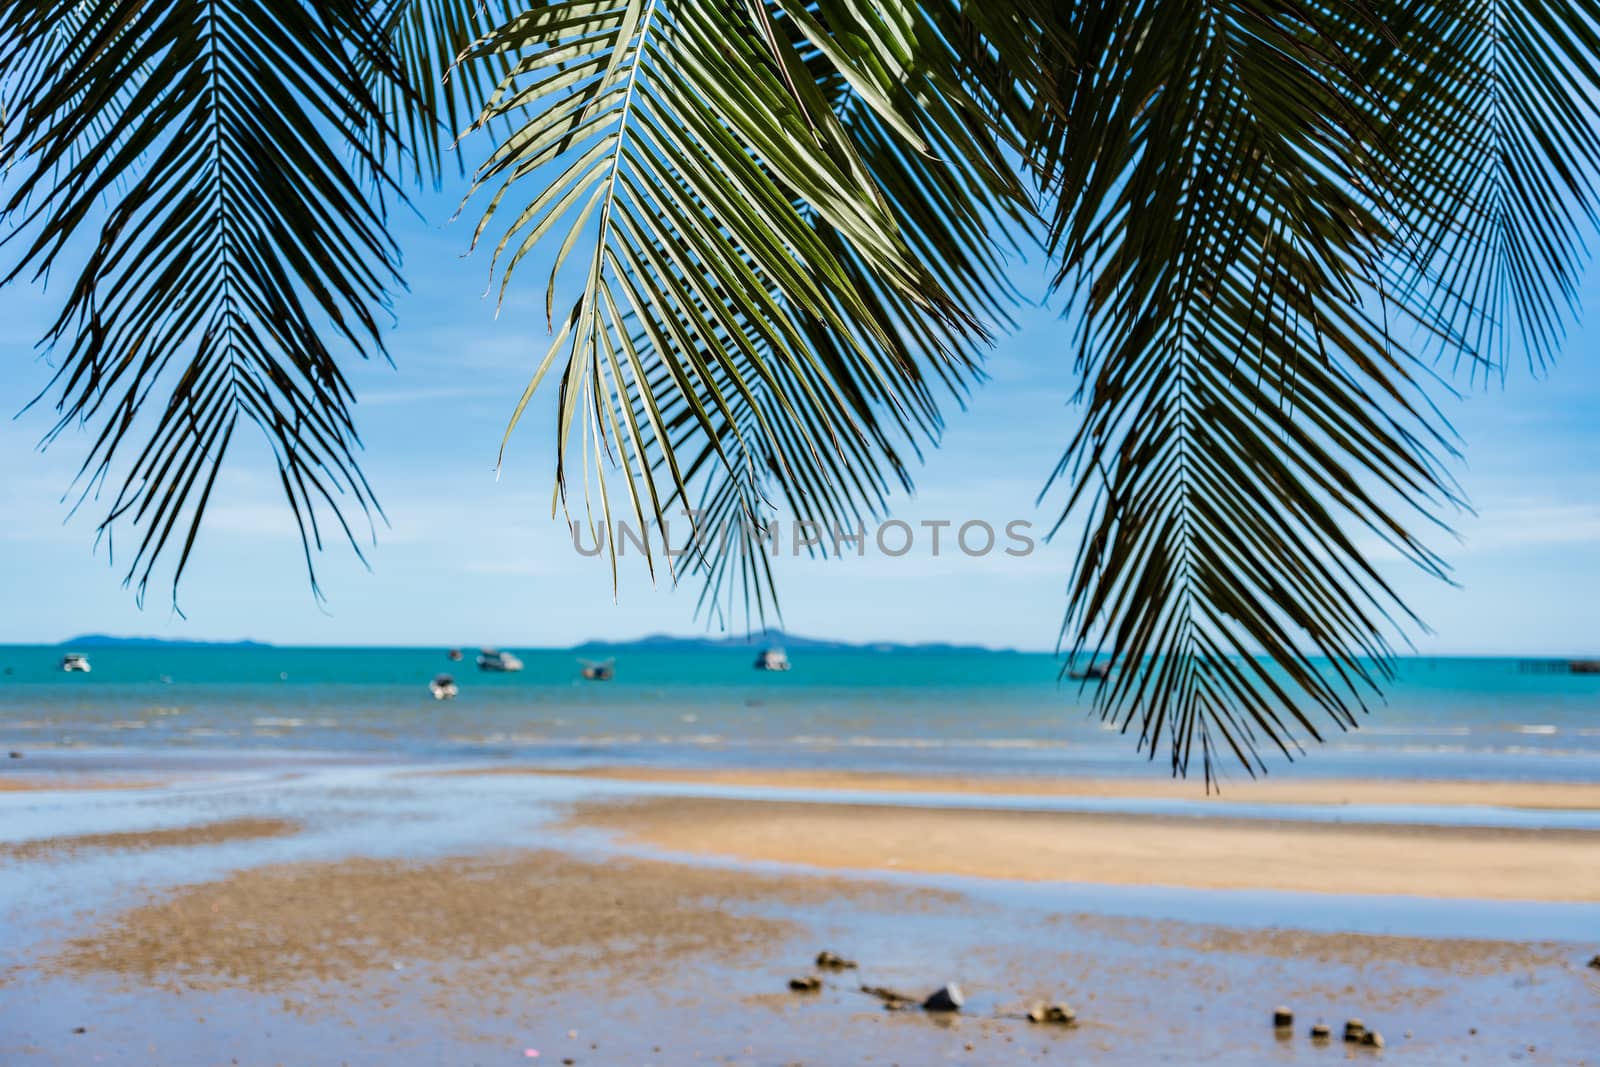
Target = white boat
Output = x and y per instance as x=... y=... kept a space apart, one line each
x=75 y=661
x=772 y=659
x=443 y=687
x=490 y=659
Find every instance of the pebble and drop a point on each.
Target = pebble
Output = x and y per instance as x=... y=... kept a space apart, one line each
x=809 y=984
x=834 y=962
x=947 y=997
x=18 y=755
x=1595 y=963
x=80 y=1029
x=1372 y=1039
x=1354 y=1030
x=1321 y=1032
x=1282 y=1017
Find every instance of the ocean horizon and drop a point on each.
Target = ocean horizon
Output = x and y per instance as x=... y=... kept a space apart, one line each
x=991 y=713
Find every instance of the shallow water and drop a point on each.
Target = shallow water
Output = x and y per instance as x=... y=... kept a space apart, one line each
x=973 y=712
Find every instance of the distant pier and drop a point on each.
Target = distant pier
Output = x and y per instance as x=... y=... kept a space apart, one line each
x=1559 y=666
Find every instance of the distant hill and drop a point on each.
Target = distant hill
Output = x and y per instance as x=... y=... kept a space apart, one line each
x=775 y=639
x=109 y=641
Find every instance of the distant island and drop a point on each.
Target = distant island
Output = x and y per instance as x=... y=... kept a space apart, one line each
x=110 y=641
x=653 y=642
x=776 y=639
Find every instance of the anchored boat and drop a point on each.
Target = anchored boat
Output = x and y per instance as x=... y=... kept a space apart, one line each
x=772 y=659
x=602 y=671
x=490 y=659
x=1095 y=672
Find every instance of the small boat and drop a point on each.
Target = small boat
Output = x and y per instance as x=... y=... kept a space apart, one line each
x=75 y=661
x=490 y=659
x=443 y=687
x=1095 y=672
x=602 y=671
x=454 y=655
x=772 y=659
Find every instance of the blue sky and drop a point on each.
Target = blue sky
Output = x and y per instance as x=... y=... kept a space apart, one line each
x=468 y=559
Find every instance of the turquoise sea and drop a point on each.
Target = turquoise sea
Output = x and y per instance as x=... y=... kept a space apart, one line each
x=991 y=713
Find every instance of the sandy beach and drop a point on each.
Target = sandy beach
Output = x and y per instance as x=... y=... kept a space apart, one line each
x=1121 y=849
x=36 y=783
x=360 y=915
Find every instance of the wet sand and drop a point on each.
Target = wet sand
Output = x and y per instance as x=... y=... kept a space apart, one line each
x=1572 y=796
x=505 y=916
x=212 y=833
x=381 y=917
x=35 y=783
x=570 y=921
x=484 y=958
x=1426 y=861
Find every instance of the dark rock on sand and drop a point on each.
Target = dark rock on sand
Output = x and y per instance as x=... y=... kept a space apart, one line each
x=1355 y=1030
x=834 y=962
x=1372 y=1039
x=809 y=984
x=1282 y=1017
x=1058 y=1013
x=18 y=755
x=1595 y=962
x=947 y=997
x=1321 y=1032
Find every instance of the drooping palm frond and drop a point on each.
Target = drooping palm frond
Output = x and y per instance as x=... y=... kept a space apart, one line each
x=435 y=99
x=1247 y=410
x=752 y=309
x=1493 y=126
x=1265 y=213
x=961 y=206
x=192 y=161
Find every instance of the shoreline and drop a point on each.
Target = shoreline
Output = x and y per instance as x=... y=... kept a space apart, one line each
x=1557 y=796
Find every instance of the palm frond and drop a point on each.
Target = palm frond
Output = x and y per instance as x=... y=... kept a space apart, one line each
x=1493 y=126
x=436 y=98
x=1249 y=408
x=962 y=208
x=750 y=289
x=205 y=157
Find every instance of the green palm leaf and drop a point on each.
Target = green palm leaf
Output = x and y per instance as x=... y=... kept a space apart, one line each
x=220 y=140
x=1258 y=224
x=1494 y=130
x=744 y=316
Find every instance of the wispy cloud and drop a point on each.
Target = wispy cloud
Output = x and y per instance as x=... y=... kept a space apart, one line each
x=1530 y=524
